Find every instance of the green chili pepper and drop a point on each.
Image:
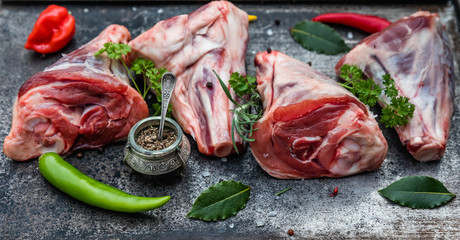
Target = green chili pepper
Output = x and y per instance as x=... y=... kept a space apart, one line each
x=73 y=182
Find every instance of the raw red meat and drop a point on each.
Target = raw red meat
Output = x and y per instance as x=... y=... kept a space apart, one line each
x=212 y=38
x=416 y=51
x=79 y=102
x=311 y=127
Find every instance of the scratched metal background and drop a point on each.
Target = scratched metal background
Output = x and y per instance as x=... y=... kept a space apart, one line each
x=31 y=208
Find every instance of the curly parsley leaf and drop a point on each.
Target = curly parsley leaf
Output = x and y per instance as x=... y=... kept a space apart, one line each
x=146 y=68
x=351 y=74
x=368 y=91
x=139 y=66
x=154 y=74
x=390 y=89
x=242 y=85
x=114 y=50
x=397 y=112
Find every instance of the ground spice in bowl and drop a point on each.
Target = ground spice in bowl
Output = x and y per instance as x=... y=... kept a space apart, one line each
x=147 y=138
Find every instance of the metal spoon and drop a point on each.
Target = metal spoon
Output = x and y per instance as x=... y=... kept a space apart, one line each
x=168 y=82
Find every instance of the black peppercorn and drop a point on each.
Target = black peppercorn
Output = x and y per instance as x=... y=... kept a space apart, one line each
x=147 y=138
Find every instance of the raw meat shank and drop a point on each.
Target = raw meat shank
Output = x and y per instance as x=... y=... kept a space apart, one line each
x=416 y=51
x=212 y=38
x=311 y=126
x=81 y=101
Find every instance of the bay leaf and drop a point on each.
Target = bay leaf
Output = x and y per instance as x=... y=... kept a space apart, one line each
x=318 y=37
x=417 y=192
x=220 y=201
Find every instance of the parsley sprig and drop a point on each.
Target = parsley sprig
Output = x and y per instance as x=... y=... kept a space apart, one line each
x=147 y=69
x=139 y=66
x=249 y=111
x=397 y=112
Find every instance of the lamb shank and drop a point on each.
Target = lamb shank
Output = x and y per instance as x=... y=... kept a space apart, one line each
x=416 y=51
x=78 y=102
x=212 y=38
x=311 y=126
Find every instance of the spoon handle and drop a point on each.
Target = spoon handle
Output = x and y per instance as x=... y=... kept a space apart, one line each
x=168 y=82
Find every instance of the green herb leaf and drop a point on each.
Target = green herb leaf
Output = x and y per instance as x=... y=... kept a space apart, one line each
x=390 y=89
x=367 y=91
x=157 y=109
x=114 y=50
x=147 y=68
x=226 y=90
x=140 y=66
x=243 y=117
x=220 y=201
x=318 y=37
x=155 y=74
x=242 y=85
x=395 y=113
x=283 y=191
x=417 y=192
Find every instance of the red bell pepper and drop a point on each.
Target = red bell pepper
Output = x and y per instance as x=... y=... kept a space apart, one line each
x=53 y=29
x=367 y=23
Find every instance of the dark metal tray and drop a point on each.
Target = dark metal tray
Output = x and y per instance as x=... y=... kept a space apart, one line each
x=31 y=208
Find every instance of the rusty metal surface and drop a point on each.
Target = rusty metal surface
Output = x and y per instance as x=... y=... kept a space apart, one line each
x=31 y=208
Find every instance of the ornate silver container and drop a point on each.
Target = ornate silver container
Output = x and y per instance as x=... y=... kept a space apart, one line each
x=160 y=161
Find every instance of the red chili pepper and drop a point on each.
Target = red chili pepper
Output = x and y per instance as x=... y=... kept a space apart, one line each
x=367 y=23
x=53 y=29
x=334 y=193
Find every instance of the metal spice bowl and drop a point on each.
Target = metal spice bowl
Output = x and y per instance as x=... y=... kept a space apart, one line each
x=156 y=162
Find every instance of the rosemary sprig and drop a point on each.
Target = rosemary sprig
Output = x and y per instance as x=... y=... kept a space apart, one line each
x=249 y=111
